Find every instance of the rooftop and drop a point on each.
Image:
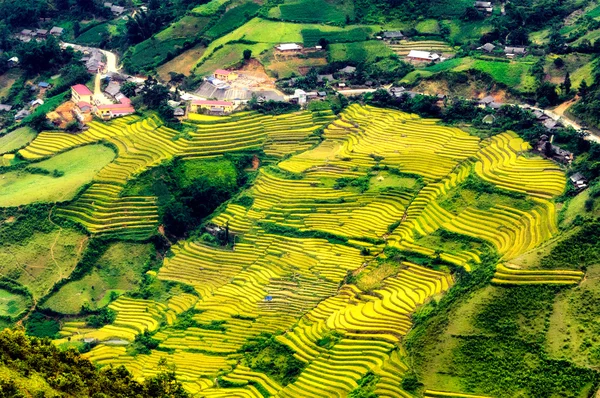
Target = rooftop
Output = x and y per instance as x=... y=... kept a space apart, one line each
x=81 y=89
x=289 y=46
x=423 y=55
x=212 y=102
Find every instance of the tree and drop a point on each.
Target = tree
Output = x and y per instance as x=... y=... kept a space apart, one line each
x=247 y=54
x=559 y=63
x=583 y=89
x=566 y=86
x=128 y=89
x=546 y=94
x=76 y=28
x=323 y=42
x=39 y=122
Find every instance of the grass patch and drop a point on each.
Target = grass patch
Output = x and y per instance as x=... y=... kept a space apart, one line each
x=182 y=63
x=67 y=172
x=12 y=304
x=157 y=49
x=366 y=51
x=209 y=8
x=232 y=19
x=42 y=259
x=16 y=139
x=333 y=12
x=118 y=270
x=312 y=36
x=428 y=26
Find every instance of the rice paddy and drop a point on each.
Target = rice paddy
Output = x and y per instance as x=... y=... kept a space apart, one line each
x=310 y=226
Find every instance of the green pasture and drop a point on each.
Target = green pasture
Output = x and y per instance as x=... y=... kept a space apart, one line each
x=16 y=139
x=366 y=51
x=78 y=166
x=119 y=270
x=232 y=19
x=209 y=8
x=12 y=304
x=428 y=26
x=311 y=37
x=42 y=260
x=332 y=12
x=462 y=31
x=266 y=34
x=514 y=74
x=155 y=50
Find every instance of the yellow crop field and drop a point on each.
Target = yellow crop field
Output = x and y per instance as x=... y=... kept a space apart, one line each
x=316 y=221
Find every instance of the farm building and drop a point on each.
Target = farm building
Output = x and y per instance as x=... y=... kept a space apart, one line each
x=418 y=55
x=5 y=108
x=113 y=89
x=12 y=62
x=392 y=35
x=117 y=10
x=512 y=52
x=41 y=33
x=348 y=70
x=44 y=85
x=23 y=113
x=579 y=181
x=225 y=75
x=289 y=47
x=487 y=47
x=485 y=6
x=211 y=106
x=80 y=93
x=56 y=31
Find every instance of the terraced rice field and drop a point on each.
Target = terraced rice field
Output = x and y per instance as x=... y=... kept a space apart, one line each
x=403 y=47
x=508 y=275
x=145 y=143
x=302 y=235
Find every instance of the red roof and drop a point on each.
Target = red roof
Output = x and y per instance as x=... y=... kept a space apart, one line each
x=208 y=102
x=222 y=72
x=81 y=89
x=126 y=107
x=82 y=104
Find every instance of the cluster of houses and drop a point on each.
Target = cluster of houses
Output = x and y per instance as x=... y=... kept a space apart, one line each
x=86 y=104
x=26 y=35
x=509 y=51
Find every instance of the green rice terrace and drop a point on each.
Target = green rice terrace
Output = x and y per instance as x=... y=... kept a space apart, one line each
x=357 y=240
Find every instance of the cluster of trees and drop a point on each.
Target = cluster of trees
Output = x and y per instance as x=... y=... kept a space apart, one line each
x=67 y=373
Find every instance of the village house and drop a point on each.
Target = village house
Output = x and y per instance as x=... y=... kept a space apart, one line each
x=5 y=108
x=512 y=52
x=225 y=75
x=44 y=85
x=117 y=10
x=323 y=78
x=484 y=6
x=211 y=106
x=113 y=89
x=392 y=35
x=179 y=112
x=13 y=62
x=80 y=93
x=579 y=181
x=422 y=56
x=41 y=33
x=22 y=114
x=109 y=111
x=348 y=70
x=489 y=102
x=26 y=35
x=56 y=31
x=35 y=103
x=289 y=47
x=487 y=47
